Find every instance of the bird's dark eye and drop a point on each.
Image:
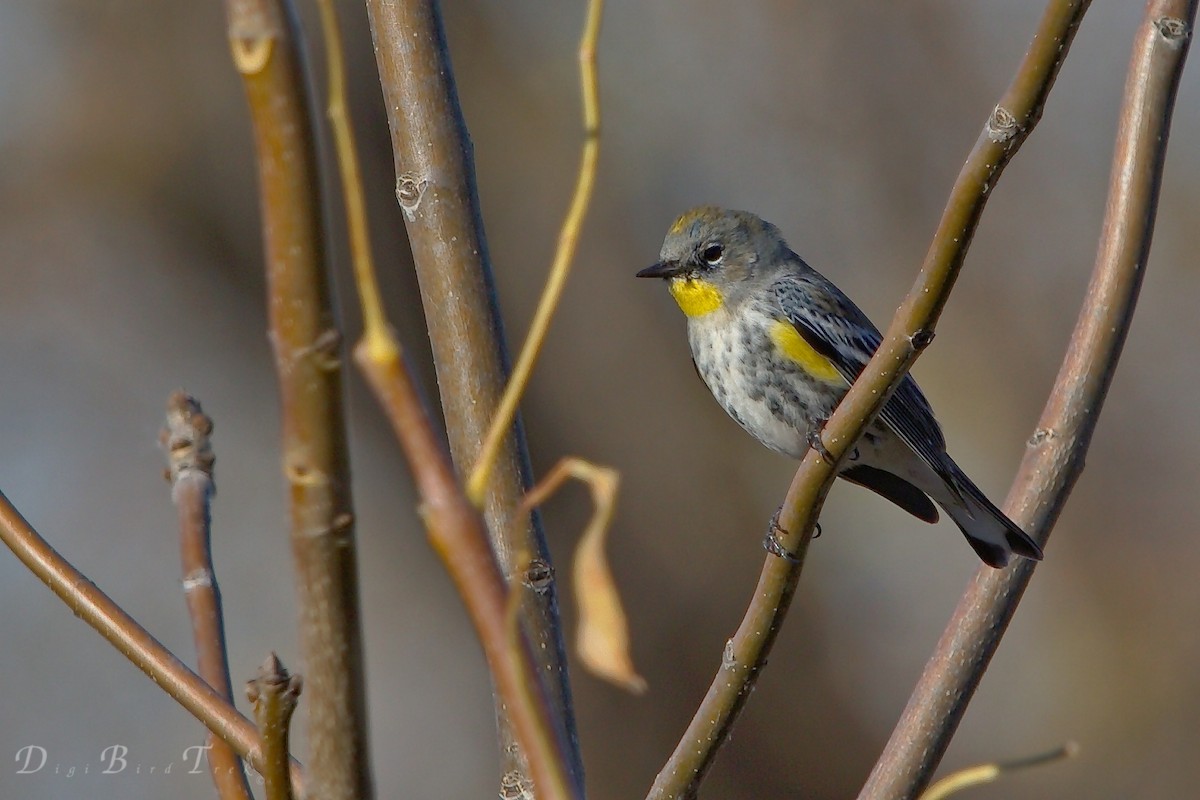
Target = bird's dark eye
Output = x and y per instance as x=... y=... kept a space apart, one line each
x=713 y=254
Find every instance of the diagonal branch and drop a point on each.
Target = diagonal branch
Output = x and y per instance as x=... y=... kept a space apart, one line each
x=307 y=346
x=1057 y=449
x=435 y=186
x=133 y=641
x=1010 y=124
x=457 y=534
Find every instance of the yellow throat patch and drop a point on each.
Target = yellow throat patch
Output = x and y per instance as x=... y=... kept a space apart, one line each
x=792 y=345
x=696 y=297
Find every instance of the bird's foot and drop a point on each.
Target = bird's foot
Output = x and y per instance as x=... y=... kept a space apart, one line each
x=774 y=546
x=814 y=441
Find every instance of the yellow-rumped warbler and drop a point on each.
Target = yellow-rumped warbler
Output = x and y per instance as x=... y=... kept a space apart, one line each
x=778 y=345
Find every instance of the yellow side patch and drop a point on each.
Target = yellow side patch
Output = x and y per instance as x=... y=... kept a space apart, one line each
x=696 y=297
x=792 y=345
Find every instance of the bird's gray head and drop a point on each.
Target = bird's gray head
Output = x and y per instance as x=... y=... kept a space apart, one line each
x=712 y=255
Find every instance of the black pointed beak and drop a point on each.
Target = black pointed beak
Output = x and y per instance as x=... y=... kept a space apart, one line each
x=663 y=269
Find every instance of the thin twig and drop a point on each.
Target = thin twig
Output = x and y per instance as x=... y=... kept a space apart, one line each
x=455 y=529
x=274 y=695
x=435 y=187
x=132 y=640
x=1056 y=451
x=564 y=257
x=185 y=440
x=268 y=53
x=911 y=330
x=987 y=773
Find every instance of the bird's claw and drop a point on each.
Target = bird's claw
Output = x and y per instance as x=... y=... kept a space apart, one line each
x=814 y=441
x=771 y=541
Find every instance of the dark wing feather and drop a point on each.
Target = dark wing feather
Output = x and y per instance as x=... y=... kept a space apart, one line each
x=833 y=326
x=893 y=488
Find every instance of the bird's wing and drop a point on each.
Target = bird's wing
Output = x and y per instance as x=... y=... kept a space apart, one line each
x=833 y=326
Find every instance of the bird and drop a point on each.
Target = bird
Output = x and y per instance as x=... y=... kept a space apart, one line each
x=778 y=345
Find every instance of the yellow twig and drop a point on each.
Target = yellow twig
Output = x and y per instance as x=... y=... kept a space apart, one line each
x=380 y=344
x=568 y=239
x=986 y=773
x=454 y=527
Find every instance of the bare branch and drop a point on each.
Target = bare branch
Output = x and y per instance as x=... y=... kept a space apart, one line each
x=189 y=468
x=306 y=343
x=457 y=535
x=911 y=331
x=274 y=694
x=1056 y=451
x=435 y=186
x=133 y=641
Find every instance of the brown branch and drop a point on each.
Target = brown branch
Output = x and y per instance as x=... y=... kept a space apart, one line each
x=132 y=640
x=274 y=695
x=455 y=527
x=189 y=468
x=435 y=186
x=911 y=331
x=1056 y=451
x=457 y=534
x=306 y=342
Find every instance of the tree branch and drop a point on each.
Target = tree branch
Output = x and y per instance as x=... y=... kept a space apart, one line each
x=910 y=332
x=457 y=534
x=1056 y=451
x=274 y=695
x=306 y=342
x=435 y=186
x=132 y=640
x=185 y=440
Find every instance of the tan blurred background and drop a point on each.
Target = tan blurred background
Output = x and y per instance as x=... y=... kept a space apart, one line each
x=131 y=266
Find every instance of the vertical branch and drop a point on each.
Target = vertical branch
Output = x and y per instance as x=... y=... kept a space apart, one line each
x=268 y=54
x=189 y=467
x=455 y=527
x=435 y=186
x=274 y=694
x=910 y=332
x=1056 y=451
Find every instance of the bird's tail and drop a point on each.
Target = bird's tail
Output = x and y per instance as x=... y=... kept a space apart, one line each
x=993 y=536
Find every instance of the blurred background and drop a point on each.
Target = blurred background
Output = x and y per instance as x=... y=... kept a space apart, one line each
x=131 y=264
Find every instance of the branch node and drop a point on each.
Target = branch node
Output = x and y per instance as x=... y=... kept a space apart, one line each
x=197 y=579
x=1002 y=125
x=516 y=786
x=539 y=575
x=326 y=350
x=410 y=188
x=921 y=339
x=251 y=55
x=1174 y=30
x=1041 y=436
x=729 y=656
